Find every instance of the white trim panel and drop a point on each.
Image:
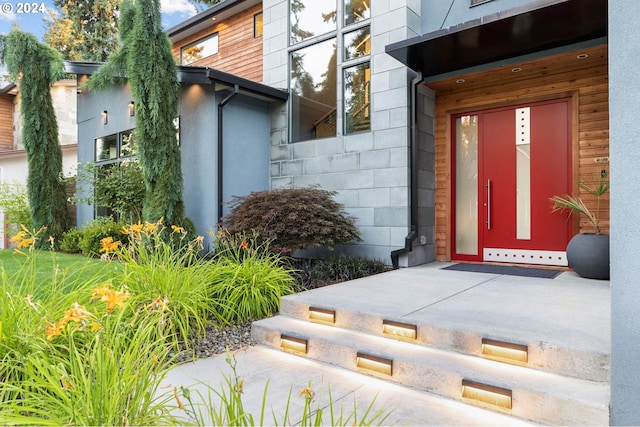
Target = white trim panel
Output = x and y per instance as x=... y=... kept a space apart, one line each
x=523 y=256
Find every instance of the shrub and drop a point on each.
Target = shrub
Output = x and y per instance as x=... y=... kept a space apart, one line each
x=292 y=218
x=100 y=228
x=15 y=204
x=71 y=241
x=313 y=273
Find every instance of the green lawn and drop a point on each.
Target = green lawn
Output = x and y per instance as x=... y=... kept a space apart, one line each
x=48 y=268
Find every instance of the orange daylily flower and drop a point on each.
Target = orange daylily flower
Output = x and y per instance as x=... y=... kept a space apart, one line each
x=77 y=313
x=177 y=229
x=107 y=245
x=110 y=296
x=53 y=330
x=243 y=245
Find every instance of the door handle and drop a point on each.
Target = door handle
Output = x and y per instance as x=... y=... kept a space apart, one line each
x=488 y=222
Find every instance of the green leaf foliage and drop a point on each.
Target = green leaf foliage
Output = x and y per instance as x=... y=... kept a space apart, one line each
x=37 y=66
x=146 y=59
x=293 y=218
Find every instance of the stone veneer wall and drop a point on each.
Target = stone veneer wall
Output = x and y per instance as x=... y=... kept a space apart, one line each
x=370 y=170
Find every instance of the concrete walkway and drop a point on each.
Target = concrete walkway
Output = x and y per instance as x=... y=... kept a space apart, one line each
x=568 y=310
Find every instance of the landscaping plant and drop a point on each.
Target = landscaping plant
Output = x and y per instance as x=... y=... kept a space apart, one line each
x=292 y=218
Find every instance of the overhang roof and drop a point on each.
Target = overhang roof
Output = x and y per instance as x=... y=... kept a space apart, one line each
x=202 y=20
x=529 y=31
x=199 y=75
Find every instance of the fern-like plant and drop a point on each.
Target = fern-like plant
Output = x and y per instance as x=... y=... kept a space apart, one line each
x=574 y=204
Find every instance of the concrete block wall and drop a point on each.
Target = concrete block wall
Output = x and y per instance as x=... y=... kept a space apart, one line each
x=369 y=170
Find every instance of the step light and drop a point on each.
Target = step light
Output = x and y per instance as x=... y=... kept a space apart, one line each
x=321 y=315
x=517 y=354
x=399 y=331
x=293 y=345
x=486 y=395
x=374 y=364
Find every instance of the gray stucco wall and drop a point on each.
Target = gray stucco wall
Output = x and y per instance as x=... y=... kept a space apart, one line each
x=624 y=99
x=90 y=107
x=246 y=136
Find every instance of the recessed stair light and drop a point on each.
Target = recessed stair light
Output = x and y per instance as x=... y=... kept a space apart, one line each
x=486 y=395
x=321 y=315
x=293 y=345
x=374 y=364
x=583 y=56
x=460 y=81
x=516 y=70
x=505 y=352
x=398 y=330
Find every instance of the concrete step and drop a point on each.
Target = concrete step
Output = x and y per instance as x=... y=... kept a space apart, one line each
x=564 y=323
x=540 y=396
x=286 y=375
x=543 y=355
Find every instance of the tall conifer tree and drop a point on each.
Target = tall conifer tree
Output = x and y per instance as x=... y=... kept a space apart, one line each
x=36 y=66
x=145 y=59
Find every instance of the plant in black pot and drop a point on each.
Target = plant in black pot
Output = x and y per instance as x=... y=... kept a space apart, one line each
x=587 y=253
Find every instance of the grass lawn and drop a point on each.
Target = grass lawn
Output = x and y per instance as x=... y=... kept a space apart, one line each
x=54 y=267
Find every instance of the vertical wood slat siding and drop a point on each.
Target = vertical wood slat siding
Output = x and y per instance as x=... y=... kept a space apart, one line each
x=6 y=123
x=239 y=52
x=587 y=85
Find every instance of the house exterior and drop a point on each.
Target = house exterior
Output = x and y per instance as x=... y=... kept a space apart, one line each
x=444 y=127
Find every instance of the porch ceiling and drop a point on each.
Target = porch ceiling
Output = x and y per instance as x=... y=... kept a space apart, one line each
x=505 y=37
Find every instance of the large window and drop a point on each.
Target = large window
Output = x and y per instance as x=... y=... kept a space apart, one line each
x=199 y=49
x=324 y=46
x=111 y=153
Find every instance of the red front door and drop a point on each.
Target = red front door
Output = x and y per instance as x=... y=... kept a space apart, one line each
x=514 y=159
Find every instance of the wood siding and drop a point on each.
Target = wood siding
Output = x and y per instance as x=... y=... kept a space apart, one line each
x=561 y=76
x=6 y=122
x=239 y=52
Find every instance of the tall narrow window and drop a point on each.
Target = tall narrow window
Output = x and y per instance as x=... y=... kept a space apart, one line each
x=357 y=43
x=356 y=98
x=313 y=91
x=257 y=25
x=466 y=163
x=355 y=11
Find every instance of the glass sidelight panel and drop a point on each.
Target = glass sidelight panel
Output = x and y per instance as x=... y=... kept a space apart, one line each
x=466 y=191
x=523 y=174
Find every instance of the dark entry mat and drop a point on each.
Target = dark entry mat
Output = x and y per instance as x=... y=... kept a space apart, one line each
x=505 y=269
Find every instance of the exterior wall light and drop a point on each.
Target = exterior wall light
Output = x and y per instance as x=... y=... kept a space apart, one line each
x=374 y=365
x=293 y=345
x=400 y=331
x=105 y=117
x=516 y=354
x=132 y=109
x=486 y=395
x=321 y=315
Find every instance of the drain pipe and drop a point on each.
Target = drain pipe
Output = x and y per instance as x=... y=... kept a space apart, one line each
x=413 y=190
x=236 y=90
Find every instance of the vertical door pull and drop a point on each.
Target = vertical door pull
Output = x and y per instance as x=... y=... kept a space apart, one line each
x=488 y=204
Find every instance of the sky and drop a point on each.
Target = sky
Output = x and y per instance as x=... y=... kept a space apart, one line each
x=173 y=12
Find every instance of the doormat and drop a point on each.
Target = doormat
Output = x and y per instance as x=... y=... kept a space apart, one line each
x=510 y=270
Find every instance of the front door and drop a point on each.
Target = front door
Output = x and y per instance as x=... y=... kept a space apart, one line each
x=508 y=162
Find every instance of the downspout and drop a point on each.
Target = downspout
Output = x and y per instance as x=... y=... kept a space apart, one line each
x=236 y=90
x=413 y=182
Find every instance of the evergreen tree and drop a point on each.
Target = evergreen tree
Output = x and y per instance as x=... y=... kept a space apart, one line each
x=36 y=66
x=145 y=59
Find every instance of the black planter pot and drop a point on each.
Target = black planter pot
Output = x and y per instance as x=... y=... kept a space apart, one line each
x=588 y=255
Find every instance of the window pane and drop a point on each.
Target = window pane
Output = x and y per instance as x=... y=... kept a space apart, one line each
x=128 y=147
x=356 y=98
x=200 y=49
x=106 y=147
x=257 y=25
x=356 y=10
x=313 y=91
x=311 y=18
x=357 y=43
x=467 y=185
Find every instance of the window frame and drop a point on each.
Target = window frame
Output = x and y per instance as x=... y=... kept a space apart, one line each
x=342 y=64
x=195 y=43
x=256 y=26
